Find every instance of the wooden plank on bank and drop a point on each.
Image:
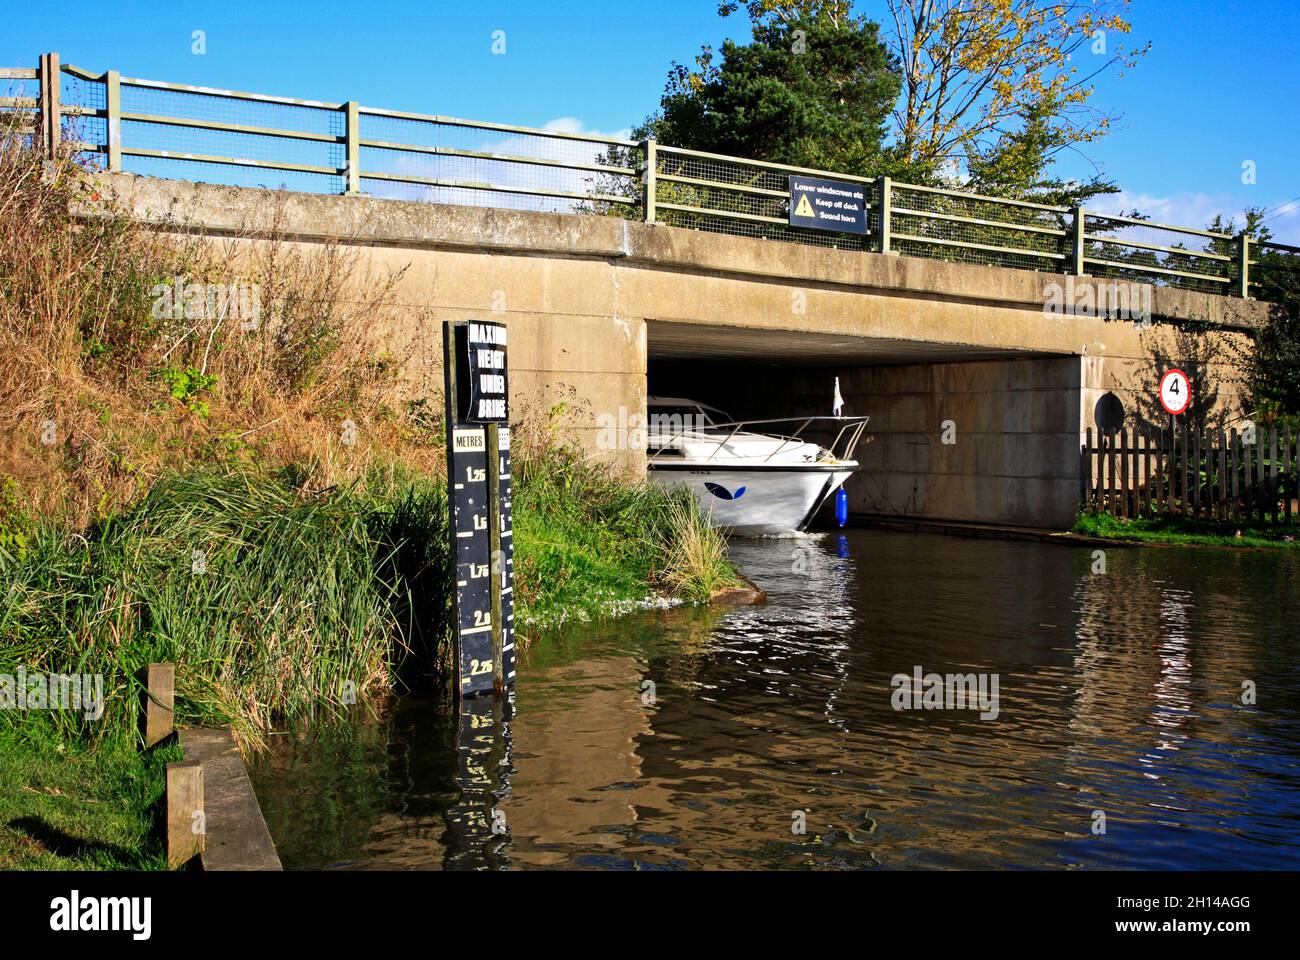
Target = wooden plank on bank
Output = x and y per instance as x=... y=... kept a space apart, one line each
x=236 y=835
x=185 y=813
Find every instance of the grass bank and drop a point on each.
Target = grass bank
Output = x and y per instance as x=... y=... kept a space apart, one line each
x=278 y=605
x=1187 y=532
x=258 y=499
x=71 y=804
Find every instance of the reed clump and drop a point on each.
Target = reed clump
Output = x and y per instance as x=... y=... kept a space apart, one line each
x=588 y=540
x=257 y=498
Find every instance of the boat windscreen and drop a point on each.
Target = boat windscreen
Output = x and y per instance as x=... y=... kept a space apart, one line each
x=675 y=417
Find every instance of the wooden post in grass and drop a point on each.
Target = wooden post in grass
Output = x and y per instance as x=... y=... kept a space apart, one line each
x=159 y=702
x=186 y=820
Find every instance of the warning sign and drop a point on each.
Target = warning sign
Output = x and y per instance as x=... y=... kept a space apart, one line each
x=828 y=205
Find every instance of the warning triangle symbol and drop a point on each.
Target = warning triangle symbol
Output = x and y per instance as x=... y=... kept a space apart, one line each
x=804 y=208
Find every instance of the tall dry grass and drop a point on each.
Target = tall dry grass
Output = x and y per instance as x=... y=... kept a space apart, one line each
x=132 y=437
x=103 y=391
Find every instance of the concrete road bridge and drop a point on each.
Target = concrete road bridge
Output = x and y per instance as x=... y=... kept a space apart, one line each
x=628 y=269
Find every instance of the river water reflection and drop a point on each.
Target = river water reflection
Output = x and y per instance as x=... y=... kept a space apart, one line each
x=694 y=738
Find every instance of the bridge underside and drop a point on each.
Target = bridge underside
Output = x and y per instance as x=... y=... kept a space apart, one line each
x=672 y=340
x=1011 y=420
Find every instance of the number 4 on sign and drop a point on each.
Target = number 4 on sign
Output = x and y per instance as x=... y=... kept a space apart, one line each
x=1175 y=392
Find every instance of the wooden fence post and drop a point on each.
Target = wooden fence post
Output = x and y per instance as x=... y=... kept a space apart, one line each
x=352 y=147
x=1123 y=473
x=1222 y=511
x=1241 y=474
x=1163 y=466
x=1110 y=473
x=1272 y=472
x=1146 y=469
x=1243 y=265
x=1151 y=470
x=1287 y=485
x=113 y=117
x=1098 y=501
x=159 y=702
x=885 y=239
x=1197 y=456
x=1259 y=475
x=649 y=184
x=1078 y=221
x=1085 y=470
x=51 y=129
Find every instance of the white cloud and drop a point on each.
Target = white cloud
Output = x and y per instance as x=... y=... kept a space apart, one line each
x=574 y=125
x=1198 y=209
x=505 y=173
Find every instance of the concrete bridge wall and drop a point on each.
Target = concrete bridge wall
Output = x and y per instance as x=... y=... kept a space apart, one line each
x=594 y=304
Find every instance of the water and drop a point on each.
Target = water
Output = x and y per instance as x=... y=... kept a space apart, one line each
x=1119 y=694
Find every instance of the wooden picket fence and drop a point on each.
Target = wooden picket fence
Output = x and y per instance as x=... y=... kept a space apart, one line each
x=1208 y=474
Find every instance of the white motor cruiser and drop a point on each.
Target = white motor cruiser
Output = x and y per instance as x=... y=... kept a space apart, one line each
x=751 y=483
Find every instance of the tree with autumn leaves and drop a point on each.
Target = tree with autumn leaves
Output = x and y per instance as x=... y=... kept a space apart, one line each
x=982 y=92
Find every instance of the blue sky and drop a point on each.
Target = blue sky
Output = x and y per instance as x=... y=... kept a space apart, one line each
x=1219 y=87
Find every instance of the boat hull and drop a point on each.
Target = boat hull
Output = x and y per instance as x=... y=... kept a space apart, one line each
x=772 y=501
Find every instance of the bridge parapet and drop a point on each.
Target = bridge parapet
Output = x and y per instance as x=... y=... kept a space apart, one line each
x=179 y=131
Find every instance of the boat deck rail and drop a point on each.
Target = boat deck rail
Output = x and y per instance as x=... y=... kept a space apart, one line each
x=850 y=432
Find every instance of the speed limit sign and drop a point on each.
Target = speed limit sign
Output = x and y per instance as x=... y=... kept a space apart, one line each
x=1175 y=392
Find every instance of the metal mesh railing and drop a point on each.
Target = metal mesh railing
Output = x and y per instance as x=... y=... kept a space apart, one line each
x=246 y=139
x=1138 y=250
x=968 y=228
x=738 y=197
x=20 y=97
x=83 y=118
x=447 y=160
x=1274 y=270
